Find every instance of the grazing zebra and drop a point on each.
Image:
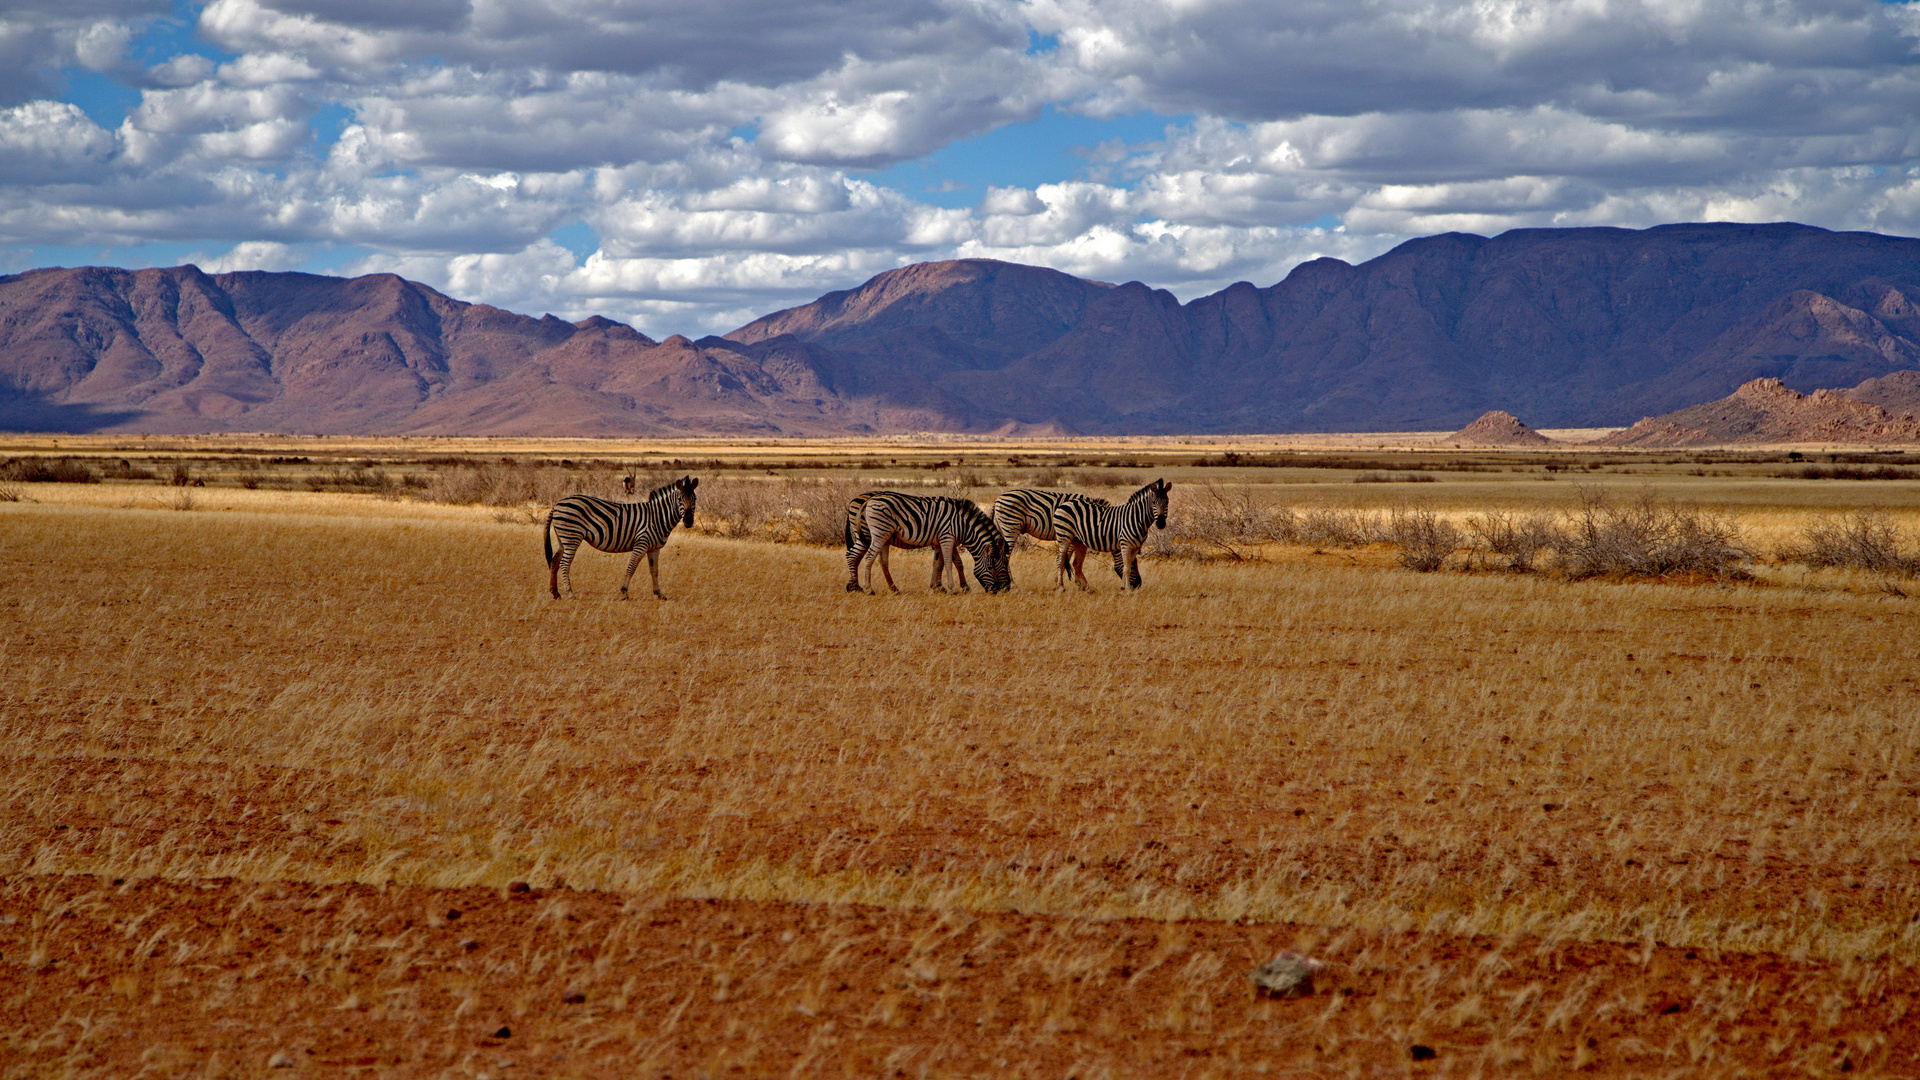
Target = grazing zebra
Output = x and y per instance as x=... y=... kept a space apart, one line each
x=1083 y=525
x=877 y=520
x=639 y=527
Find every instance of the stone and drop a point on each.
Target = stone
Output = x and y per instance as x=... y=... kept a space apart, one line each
x=281 y=1060
x=1288 y=975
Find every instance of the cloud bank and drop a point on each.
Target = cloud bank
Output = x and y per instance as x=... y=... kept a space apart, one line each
x=687 y=166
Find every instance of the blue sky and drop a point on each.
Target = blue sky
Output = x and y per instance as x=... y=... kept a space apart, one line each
x=686 y=168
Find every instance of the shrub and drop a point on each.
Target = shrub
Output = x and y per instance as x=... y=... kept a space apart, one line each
x=1426 y=540
x=1215 y=522
x=125 y=470
x=1338 y=528
x=1649 y=538
x=1519 y=539
x=33 y=470
x=793 y=511
x=1865 y=540
x=181 y=477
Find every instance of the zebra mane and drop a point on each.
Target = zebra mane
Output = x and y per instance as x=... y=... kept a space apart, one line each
x=663 y=489
x=971 y=512
x=1141 y=494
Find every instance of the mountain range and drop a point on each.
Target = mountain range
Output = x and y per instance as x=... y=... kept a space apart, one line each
x=1568 y=327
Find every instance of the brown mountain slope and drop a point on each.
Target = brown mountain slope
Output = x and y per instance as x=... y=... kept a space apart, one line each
x=1898 y=393
x=1767 y=411
x=179 y=350
x=1566 y=326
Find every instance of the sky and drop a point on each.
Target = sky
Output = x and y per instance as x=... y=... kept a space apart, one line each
x=689 y=165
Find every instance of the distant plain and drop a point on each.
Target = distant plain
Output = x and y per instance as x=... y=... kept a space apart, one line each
x=263 y=742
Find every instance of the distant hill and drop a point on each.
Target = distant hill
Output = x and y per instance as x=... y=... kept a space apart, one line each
x=1568 y=327
x=1498 y=428
x=178 y=350
x=1767 y=411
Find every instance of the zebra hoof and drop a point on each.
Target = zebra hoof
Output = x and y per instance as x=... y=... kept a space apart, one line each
x=851 y=587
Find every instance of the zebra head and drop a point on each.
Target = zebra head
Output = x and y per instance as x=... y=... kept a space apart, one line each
x=684 y=488
x=991 y=564
x=1156 y=493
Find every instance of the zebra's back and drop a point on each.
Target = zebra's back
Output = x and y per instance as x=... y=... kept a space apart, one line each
x=602 y=523
x=1028 y=510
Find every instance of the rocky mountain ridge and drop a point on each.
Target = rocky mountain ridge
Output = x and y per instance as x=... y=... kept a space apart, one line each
x=1768 y=411
x=1568 y=327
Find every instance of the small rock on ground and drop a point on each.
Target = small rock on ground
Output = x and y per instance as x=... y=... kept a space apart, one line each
x=1288 y=975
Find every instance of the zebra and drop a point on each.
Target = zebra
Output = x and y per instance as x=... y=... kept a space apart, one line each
x=1030 y=511
x=1083 y=525
x=639 y=527
x=877 y=520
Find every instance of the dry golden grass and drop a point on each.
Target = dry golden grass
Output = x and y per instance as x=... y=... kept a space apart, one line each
x=1536 y=825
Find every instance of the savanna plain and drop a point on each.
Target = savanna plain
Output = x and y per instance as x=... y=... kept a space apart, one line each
x=305 y=774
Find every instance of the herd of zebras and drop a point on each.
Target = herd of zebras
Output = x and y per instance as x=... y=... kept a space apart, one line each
x=880 y=520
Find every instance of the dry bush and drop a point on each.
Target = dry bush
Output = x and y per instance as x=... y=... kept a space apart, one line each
x=1863 y=540
x=1338 y=528
x=790 y=511
x=507 y=484
x=1648 y=537
x=182 y=476
x=1214 y=522
x=1425 y=539
x=34 y=470
x=123 y=469
x=1520 y=539
x=9 y=493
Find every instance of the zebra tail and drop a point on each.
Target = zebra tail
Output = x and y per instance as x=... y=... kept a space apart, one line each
x=546 y=538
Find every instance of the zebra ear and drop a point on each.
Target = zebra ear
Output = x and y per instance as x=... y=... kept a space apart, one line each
x=689 y=482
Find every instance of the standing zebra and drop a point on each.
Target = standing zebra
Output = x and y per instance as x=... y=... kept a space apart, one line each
x=1030 y=511
x=1085 y=525
x=639 y=527
x=877 y=520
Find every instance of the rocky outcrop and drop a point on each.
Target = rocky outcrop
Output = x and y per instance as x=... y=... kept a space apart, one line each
x=1767 y=411
x=1498 y=428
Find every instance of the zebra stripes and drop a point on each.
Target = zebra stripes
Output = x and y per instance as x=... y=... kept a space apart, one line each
x=878 y=520
x=1084 y=524
x=639 y=527
x=1028 y=510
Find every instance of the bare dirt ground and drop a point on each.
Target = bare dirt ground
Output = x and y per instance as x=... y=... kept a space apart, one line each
x=257 y=759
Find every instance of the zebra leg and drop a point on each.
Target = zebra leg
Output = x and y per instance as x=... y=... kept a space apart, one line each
x=939 y=568
x=856 y=554
x=633 y=563
x=567 y=548
x=1079 y=562
x=885 y=570
x=653 y=571
x=553 y=573
x=1133 y=567
x=1060 y=565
